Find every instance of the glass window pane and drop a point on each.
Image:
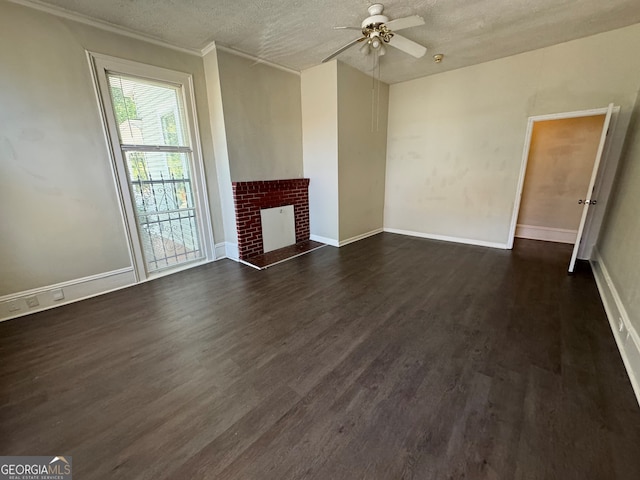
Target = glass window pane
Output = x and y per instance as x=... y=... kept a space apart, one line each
x=147 y=113
x=162 y=191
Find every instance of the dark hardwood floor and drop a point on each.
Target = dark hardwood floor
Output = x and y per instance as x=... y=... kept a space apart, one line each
x=390 y=358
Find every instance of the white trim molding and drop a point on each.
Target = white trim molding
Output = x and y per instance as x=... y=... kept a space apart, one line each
x=210 y=47
x=329 y=241
x=243 y=262
x=119 y=30
x=624 y=332
x=216 y=46
x=102 y=25
x=100 y=65
x=342 y=243
x=15 y=305
x=527 y=147
x=446 y=238
x=548 y=234
x=220 y=250
x=231 y=251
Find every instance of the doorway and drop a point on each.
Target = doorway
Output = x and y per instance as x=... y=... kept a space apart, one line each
x=560 y=167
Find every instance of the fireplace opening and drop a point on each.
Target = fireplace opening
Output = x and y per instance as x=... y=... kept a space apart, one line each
x=278 y=228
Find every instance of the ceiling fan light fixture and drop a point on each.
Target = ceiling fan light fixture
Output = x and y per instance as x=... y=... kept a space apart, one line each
x=377 y=30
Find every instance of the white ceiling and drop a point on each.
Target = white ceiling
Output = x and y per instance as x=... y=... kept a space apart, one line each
x=298 y=33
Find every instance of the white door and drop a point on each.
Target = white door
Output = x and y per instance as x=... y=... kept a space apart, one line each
x=587 y=201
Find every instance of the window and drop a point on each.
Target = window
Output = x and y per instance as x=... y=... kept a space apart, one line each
x=162 y=188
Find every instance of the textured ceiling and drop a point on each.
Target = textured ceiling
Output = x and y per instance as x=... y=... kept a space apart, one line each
x=298 y=33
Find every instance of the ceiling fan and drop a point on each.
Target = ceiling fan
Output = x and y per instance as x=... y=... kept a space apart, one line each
x=377 y=30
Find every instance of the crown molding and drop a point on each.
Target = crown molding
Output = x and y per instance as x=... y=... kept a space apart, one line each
x=210 y=47
x=109 y=27
x=213 y=46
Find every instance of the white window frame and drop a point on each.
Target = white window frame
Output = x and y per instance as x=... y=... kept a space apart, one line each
x=100 y=65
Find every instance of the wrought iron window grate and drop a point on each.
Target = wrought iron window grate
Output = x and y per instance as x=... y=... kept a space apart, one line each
x=167 y=220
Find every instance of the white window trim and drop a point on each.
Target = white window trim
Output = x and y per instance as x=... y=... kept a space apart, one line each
x=99 y=64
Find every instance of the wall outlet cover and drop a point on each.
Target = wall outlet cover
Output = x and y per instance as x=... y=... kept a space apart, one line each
x=57 y=294
x=14 y=307
x=32 y=301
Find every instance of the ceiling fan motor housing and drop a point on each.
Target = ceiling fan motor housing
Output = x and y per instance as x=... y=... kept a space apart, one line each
x=374 y=25
x=375 y=33
x=374 y=20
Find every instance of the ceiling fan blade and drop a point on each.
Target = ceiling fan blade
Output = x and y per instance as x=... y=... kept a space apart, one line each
x=408 y=46
x=347 y=28
x=342 y=49
x=405 y=22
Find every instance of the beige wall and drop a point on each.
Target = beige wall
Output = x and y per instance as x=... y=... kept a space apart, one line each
x=455 y=140
x=362 y=145
x=559 y=169
x=619 y=243
x=343 y=157
x=60 y=213
x=320 y=148
x=221 y=151
x=262 y=114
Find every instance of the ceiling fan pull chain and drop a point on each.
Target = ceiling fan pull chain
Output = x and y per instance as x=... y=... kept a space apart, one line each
x=378 y=102
x=373 y=87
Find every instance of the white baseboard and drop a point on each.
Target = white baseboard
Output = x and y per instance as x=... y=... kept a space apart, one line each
x=445 y=238
x=220 y=250
x=342 y=243
x=329 y=241
x=231 y=251
x=624 y=332
x=547 y=234
x=15 y=305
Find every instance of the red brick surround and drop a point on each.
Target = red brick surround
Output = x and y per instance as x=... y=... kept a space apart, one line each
x=251 y=197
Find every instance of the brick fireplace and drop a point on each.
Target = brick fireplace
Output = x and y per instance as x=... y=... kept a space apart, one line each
x=251 y=197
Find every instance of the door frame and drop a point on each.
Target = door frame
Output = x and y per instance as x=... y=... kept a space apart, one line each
x=98 y=62
x=587 y=232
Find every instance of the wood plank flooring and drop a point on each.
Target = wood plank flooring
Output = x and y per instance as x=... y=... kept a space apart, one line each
x=390 y=358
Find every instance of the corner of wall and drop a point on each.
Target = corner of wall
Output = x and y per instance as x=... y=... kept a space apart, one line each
x=362 y=144
x=220 y=148
x=320 y=149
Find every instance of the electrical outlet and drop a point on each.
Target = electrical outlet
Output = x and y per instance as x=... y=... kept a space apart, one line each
x=32 y=301
x=57 y=295
x=14 y=307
